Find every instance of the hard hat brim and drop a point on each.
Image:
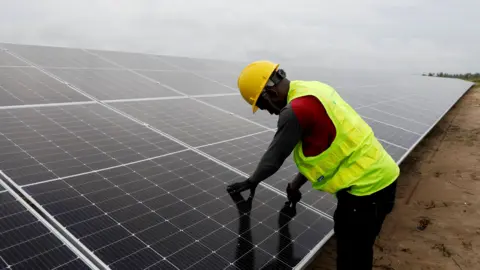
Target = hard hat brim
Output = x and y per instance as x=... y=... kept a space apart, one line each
x=254 y=103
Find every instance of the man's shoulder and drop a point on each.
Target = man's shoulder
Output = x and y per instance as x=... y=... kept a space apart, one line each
x=286 y=115
x=286 y=111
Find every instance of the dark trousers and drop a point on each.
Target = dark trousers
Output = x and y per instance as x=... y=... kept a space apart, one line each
x=358 y=221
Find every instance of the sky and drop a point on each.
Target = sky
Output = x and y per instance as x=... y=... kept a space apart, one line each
x=411 y=36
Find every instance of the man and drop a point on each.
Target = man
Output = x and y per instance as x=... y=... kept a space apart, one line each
x=333 y=148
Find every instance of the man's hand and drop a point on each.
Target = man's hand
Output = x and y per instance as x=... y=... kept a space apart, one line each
x=242 y=186
x=293 y=195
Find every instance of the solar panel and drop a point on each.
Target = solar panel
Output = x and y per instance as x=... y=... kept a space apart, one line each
x=202 y=65
x=38 y=144
x=130 y=154
x=27 y=85
x=188 y=83
x=135 y=60
x=27 y=243
x=112 y=83
x=57 y=56
x=227 y=78
x=405 y=124
x=192 y=122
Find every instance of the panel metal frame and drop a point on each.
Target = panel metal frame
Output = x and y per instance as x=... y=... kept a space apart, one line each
x=46 y=105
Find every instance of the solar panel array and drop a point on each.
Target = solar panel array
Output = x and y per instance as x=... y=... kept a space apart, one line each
x=129 y=156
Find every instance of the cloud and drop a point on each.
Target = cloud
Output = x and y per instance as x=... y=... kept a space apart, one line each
x=408 y=36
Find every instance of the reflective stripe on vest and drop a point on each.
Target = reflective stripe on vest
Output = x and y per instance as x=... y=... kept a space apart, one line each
x=355 y=159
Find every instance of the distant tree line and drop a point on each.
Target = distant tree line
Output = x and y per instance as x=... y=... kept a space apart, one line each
x=474 y=77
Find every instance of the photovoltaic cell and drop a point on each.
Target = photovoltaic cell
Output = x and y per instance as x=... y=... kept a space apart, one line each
x=26 y=85
x=57 y=57
x=187 y=82
x=189 y=121
x=245 y=154
x=112 y=83
x=39 y=144
x=27 y=243
x=174 y=211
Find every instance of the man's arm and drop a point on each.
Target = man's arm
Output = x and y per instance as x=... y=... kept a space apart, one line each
x=298 y=181
x=288 y=134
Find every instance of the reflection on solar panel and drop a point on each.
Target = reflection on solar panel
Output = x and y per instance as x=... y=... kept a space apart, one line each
x=129 y=155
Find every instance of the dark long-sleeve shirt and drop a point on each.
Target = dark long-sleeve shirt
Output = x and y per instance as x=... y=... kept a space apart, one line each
x=304 y=119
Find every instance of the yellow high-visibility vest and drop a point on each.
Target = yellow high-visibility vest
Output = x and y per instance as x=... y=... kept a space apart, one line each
x=355 y=159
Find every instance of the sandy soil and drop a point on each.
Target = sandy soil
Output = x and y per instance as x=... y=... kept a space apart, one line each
x=436 y=221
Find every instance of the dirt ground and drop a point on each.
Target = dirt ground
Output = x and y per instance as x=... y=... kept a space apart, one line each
x=436 y=220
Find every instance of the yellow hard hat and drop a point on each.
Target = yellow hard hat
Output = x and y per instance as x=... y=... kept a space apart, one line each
x=252 y=80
